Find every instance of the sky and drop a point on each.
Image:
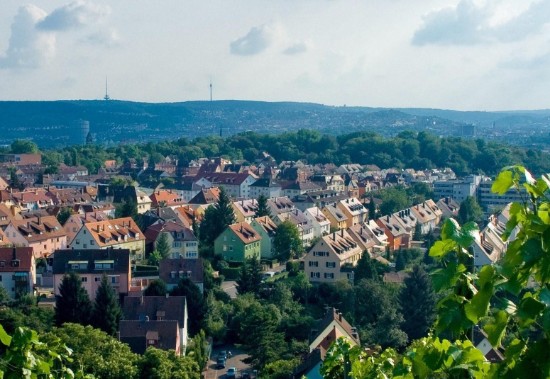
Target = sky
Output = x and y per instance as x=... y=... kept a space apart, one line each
x=450 y=54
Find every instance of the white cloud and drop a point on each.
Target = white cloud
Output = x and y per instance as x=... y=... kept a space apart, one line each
x=469 y=23
x=296 y=48
x=28 y=47
x=258 y=39
x=109 y=38
x=74 y=15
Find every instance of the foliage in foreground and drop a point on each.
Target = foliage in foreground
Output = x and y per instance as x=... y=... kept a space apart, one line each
x=509 y=301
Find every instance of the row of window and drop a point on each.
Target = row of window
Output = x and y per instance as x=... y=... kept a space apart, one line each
x=327 y=264
x=112 y=279
x=317 y=275
x=320 y=253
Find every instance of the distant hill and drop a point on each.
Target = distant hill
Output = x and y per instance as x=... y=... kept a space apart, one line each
x=59 y=123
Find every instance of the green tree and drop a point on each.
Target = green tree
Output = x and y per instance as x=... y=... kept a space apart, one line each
x=198 y=349
x=162 y=364
x=156 y=288
x=20 y=146
x=263 y=208
x=106 y=311
x=469 y=211
x=372 y=208
x=287 y=242
x=162 y=245
x=393 y=199
x=250 y=277
x=64 y=215
x=417 y=301
x=95 y=352
x=126 y=209
x=72 y=304
x=366 y=268
x=216 y=219
x=196 y=305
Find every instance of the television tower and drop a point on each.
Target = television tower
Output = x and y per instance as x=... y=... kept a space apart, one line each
x=106 y=97
x=210 y=89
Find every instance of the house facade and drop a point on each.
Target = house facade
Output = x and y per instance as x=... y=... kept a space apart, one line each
x=91 y=265
x=17 y=270
x=267 y=229
x=43 y=234
x=238 y=242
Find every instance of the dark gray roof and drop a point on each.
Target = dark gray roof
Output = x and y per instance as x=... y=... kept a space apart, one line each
x=61 y=259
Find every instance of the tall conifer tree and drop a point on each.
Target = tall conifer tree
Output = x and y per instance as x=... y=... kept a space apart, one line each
x=106 y=311
x=417 y=301
x=72 y=304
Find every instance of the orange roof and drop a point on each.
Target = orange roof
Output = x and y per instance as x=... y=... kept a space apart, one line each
x=245 y=232
x=114 y=232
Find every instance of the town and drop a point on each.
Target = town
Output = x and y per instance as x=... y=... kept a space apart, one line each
x=219 y=249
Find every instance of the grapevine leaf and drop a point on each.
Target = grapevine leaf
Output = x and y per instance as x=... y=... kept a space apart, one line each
x=503 y=182
x=496 y=327
x=4 y=337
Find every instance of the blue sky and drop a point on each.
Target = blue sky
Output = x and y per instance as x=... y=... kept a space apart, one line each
x=461 y=54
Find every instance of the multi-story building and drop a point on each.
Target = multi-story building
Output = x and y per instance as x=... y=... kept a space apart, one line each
x=44 y=234
x=325 y=261
x=237 y=185
x=427 y=214
x=337 y=218
x=238 y=242
x=398 y=236
x=458 y=190
x=91 y=265
x=17 y=270
x=181 y=239
x=120 y=233
x=245 y=210
x=320 y=222
x=267 y=229
x=493 y=202
x=355 y=212
x=166 y=198
x=266 y=187
x=172 y=270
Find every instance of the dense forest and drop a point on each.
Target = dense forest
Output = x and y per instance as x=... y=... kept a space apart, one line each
x=407 y=150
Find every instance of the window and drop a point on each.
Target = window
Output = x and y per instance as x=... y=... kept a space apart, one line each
x=92 y=242
x=84 y=279
x=0 y=278
x=329 y=275
x=313 y=264
x=2 y=263
x=97 y=279
x=331 y=264
x=85 y=246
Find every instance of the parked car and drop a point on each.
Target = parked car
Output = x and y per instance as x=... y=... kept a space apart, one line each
x=222 y=354
x=220 y=363
x=231 y=373
x=245 y=375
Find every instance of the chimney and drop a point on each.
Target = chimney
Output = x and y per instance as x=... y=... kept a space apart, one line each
x=14 y=253
x=334 y=236
x=447 y=200
x=340 y=316
x=342 y=233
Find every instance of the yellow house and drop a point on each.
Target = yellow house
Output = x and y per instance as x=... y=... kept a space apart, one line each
x=325 y=260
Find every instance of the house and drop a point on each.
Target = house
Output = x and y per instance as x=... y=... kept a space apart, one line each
x=91 y=265
x=171 y=270
x=427 y=214
x=320 y=223
x=17 y=270
x=238 y=242
x=364 y=236
x=181 y=239
x=131 y=193
x=280 y=205
x=449 y=207
x=237 y=185
x=338 y=220
x=43 y=234
x=488 y=246
x=245 y=210
x=157 y=333
x=299 y=188
x=267 y=187
x=75 y=222
x=398 y=236
x=354 y=211
x=159 y=309
x=120 y=233
x=331 y=327
x=325 y=261
x=166 y=198
x=267 y=229
x=20 y=159
x=302 y=223
x=32 y=199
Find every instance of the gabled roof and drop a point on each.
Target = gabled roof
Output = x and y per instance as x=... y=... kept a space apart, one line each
x=192 y=268
x=206 y=196
x=341 y=244
x=165 y=198
x=245 y=232
x=268 y=224
x=246 y=207
x=363 y=235
x=38 y=228
x=178 y=231
x=23 y=256
x=225 y=178
x=333 y=317
x=137 y=334
x=114 y=232
x=86 y=259
x=336 y=213
x=138 y=308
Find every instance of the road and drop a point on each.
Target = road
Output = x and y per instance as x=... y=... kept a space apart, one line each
x=236 y=360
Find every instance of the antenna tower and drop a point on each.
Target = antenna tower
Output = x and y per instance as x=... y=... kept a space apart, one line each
x=211 y=90
x=106 y=97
